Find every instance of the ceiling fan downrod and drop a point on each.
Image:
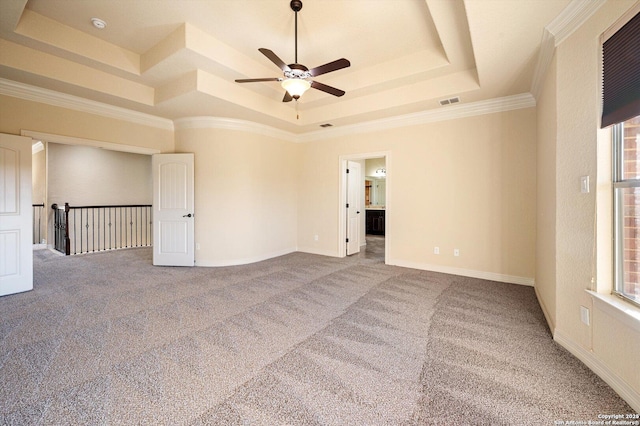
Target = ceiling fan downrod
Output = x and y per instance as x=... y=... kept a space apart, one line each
x=296 y=6
x=297 y=77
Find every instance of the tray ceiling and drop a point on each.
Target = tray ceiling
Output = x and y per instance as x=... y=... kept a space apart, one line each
x=179 y=58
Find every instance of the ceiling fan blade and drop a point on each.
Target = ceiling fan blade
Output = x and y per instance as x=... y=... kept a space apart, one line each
x=255 y=80
x=331 y=66
x=275 y=59
x=287 y=97
x=331 y=90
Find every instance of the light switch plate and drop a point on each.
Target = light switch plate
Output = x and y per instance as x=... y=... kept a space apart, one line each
x=584 y=184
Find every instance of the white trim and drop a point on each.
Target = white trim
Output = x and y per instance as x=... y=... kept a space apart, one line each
x=50 y=97
x=491 y=276
x=36 y=147
x=233 y=124
x=69 y=140
x=547 y=49
x=319 y=252
x=490 y=106
x=591 y=360
x=617 y=308
x=545 y=311
x=572 y=17
x=246 y=260
x=568 y=21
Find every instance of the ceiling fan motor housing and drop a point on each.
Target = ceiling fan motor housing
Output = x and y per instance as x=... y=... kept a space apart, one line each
x=296 y=5
x=297 y=71
x=297 y=77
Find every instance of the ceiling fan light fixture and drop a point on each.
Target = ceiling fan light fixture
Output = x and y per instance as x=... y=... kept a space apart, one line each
x=295 y=86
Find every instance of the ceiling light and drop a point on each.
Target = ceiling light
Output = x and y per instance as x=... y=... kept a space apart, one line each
x=296 y=86
x=98 y=23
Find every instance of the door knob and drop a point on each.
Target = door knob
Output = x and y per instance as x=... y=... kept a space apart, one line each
x=187 y=215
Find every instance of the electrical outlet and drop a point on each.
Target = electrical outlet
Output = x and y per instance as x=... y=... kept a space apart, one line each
x=197 y=246
x=456 y=252
x=584 y=315
x=316 y=238
x=436 y=250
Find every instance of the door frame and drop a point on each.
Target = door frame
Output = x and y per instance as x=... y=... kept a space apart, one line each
x=356 y=207
x=342 y=194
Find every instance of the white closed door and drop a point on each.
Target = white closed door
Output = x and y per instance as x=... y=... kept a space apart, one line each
x=354 y=184
x=173 y=210
x=16 y=251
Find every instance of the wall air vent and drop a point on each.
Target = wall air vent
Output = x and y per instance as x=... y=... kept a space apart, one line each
x=326 y=125
x=450 y=101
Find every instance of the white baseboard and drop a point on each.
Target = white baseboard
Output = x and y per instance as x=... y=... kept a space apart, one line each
x=491 y=276
x=590 y=359
x=312 y=250
x=246 y=260
x=550 y=323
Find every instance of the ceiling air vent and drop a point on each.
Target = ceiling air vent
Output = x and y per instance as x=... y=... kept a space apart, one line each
x=450 y=101
x=326 y=125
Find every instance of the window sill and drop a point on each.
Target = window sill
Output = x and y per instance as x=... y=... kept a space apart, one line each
x=618 y=308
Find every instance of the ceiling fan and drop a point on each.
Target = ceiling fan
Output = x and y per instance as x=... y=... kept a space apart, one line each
x=298 y=78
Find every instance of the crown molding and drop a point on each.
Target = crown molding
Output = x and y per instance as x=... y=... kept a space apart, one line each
x=51 y=97
x=452 y=112
x=568 y=21
x=207 y=122
x=572 y=17
x=545 y=56
x=508 y=103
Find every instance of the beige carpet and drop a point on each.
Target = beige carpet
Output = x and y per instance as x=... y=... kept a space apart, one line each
x=300 y=340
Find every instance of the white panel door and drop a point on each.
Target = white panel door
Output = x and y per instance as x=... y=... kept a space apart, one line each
x=173 y=217
x=16 y=251
x=354 y=183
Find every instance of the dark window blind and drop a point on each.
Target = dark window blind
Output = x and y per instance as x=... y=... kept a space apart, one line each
x=621 y=74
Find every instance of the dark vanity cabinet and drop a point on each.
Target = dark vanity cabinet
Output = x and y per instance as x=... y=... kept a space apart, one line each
x=375 y=222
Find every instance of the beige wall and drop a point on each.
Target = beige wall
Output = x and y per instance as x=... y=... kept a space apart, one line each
x=38 y=177
x=18 y=114
x=463 y=184
x=245 y=195
x=38 y=195
x=373 y=164
x=547 y=128
x=608 y=345
x=85 y=176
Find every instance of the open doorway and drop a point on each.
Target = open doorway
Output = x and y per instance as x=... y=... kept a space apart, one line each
x=107 y=186
x=371 y=207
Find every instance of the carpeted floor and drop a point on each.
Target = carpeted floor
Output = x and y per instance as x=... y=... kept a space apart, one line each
x=302 y=339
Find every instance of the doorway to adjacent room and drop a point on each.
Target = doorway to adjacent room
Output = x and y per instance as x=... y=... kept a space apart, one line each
x=364 y=204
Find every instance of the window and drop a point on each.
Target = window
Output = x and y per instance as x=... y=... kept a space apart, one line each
x=626 y=208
